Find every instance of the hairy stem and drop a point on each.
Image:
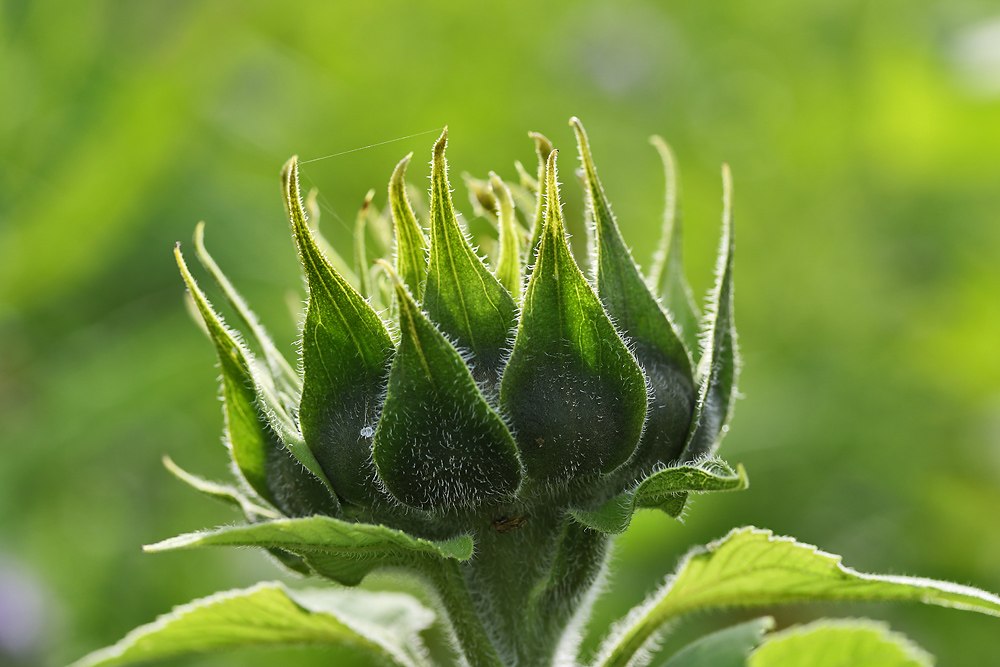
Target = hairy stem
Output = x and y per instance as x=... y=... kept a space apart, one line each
x=473 y=640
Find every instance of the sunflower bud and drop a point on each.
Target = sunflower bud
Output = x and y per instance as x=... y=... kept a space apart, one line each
x=492 y=394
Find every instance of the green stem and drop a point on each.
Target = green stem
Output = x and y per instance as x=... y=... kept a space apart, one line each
x=470 y=634
x=579 y=560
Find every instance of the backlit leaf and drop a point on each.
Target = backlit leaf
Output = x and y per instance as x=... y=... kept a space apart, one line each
x=839 y=643
x=333 y=548
x=752 y=568
x=382 y=626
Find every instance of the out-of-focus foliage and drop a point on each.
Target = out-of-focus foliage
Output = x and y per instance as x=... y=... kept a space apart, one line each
x=863 y=142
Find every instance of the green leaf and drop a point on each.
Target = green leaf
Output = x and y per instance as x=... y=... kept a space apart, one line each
x=668 y=263
x=840 y=643
x=346 y=352
x=284 y=376
x=509 y=264
x=752 y=568
x=382 y=626
x=639 y=318
x=666 y=490
x=462 y=297
x=710 y=475
x=411 y=244
x=289 y=479
x=222 y=492
x=341 y=551
x=719 y=364
x=439 y=444
x=544 y=148
x=728 y=647
x=572 y=391
x=250 y=509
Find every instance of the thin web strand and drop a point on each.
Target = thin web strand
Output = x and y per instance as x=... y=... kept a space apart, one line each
x=381 y=143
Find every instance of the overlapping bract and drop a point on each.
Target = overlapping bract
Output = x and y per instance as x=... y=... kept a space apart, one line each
x=488 y=390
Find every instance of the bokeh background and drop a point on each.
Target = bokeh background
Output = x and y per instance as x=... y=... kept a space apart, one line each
x=865 y=142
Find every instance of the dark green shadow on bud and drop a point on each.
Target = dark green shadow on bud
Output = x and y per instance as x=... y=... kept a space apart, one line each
x=639 y=317
x=346 y=352
x=573 y=393
x=719 y=365
x=462 y=297
x=411 y=244
x=439 y=445
x=261 y=456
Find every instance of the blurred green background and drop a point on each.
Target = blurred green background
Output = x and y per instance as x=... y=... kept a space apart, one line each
x=865 y=142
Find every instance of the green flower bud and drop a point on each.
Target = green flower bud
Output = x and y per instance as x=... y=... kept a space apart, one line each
x=490 y=395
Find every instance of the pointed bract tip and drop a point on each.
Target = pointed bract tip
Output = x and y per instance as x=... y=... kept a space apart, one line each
x=290 y=178
x=553 y=217
x=199 y=235
x=173 y=468
x=727 y=194
x=542 y=145
x=550 y=162
x=441 y=144
x=389 y=270
x=401 y=166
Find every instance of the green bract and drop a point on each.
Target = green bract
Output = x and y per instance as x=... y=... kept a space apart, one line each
x=490 y=393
